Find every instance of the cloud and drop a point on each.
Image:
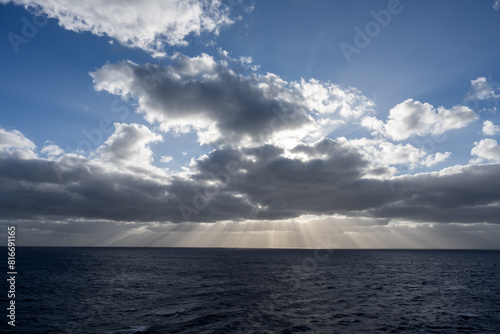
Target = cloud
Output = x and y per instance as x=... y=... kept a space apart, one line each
x=324 y=181
x=128 y=146
x=13 y=143
x=149 y=25
x=372 y=123
x=269 y=160
x=118 y=182
x=467 y=195
x=166 y=159
x=411 y=118
x=481 y=89
x=496 y=5
x=337 y=179
x=384 y=153
x=490 y=129
x=328 y=98
x=436 y=158
x=486 y=149
x=222 y=105
x=51 y=150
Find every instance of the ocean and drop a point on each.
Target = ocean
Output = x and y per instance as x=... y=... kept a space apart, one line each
x=196 y=290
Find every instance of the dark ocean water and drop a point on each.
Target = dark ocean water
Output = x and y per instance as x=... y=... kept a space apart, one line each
x=165 y=290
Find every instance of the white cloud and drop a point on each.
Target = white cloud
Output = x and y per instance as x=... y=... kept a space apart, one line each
x=411 y=118
x=149 y=24
x=128 y=147
x=481 y=89
x=191 y=67
x=52 y=151
x=490 y=129
x=383 y=153
x=436 y=158
x=393 y=154
x=486 y=149
x=14 y=143
x=372 y=123
x=328 y=98
x=496 y=5
x=455 y=118
x=166 y=159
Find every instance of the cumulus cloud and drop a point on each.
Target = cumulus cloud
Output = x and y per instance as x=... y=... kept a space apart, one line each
x=223 y=106
x=51 y=150
x=486 y=149
x=435 y=158
x=149 y=25
x=490 y=129
x=481 y=89
x=381 y=152
x=166 y=159
x=14 y=143
x=116 y=180
x=411 y=118
x=328 y=98
x=128 y=146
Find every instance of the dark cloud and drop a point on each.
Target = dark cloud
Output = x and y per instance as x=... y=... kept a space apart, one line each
x=336 y=183
x=472 y=195
x=197 y=93
x=226 y=103
x=233 y=184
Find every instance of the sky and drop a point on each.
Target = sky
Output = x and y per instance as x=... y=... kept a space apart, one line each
x=241 y=123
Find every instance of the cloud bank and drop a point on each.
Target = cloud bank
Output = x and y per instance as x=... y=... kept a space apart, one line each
x=274 y=156
x=119 y=183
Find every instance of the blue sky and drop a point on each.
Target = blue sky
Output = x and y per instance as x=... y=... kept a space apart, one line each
x=416 y=104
